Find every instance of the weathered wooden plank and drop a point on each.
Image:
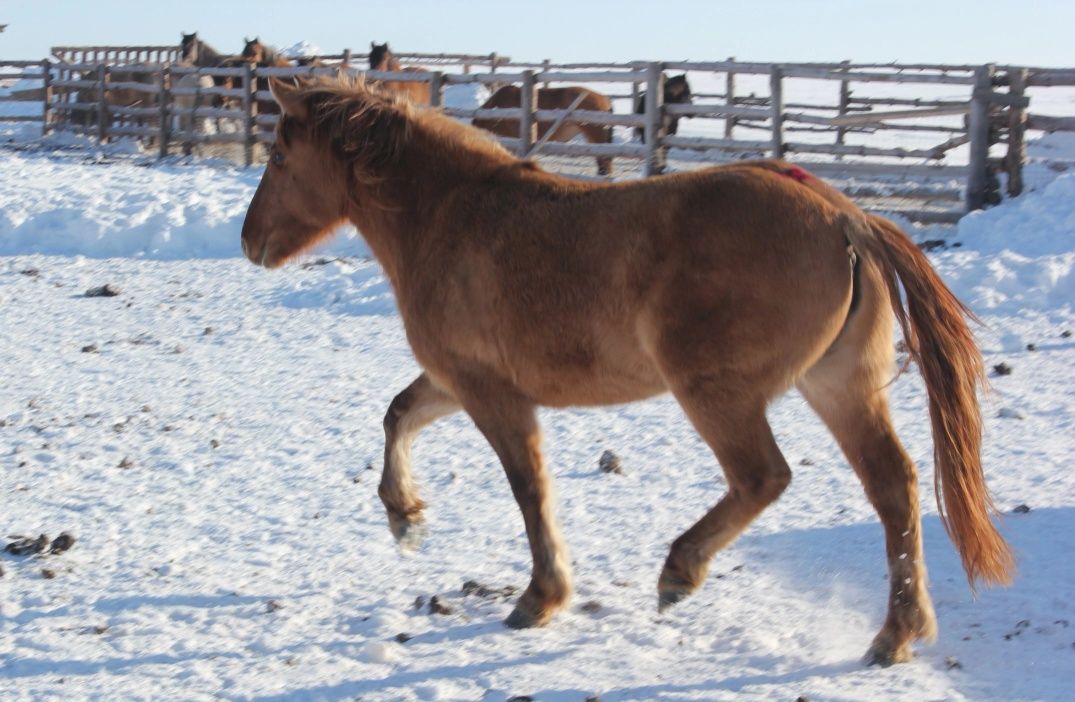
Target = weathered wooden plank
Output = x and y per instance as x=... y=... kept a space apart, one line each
x=878 y=117
x=584 y=149
x=798 y=71
x=859 y=150
x=26 y=118
x=591 y=77
x=1048 y=123
x=904 y=192
x=978 y=130
x=877 y=170
x=714 y=144
x=704 y=110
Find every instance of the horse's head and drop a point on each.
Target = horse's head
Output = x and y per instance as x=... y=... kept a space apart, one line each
x=253 y=50
x=188 y=47
x=677 y=90
x=303 y=194
x=380 y=57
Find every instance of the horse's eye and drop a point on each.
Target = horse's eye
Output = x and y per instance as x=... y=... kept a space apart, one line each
x=278 y=158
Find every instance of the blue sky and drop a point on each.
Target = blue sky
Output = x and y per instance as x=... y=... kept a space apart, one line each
x=1030 y=32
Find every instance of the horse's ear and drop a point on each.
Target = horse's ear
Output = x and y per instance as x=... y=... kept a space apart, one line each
x=373 y=45
x=287 y=96
x=246 y=40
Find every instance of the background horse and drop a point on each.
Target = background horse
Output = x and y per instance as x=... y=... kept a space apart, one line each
x=725 y=286
x=264 y=56
x=677 y=91
x=195 y=52
x=382 y=59
x=554 y=99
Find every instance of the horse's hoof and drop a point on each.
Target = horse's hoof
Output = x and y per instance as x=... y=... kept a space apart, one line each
x=670 y=597
x=409 y=531
x=522 y=618
x=883 y=655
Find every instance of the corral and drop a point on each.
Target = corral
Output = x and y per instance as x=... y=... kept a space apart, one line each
x=928 y=141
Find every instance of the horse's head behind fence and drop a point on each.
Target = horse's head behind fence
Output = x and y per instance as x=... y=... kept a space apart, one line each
x=382 y=58
x=188 y=47
x=677 y=90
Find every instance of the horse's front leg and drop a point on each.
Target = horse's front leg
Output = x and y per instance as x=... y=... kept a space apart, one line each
x=509 y=422
x=421 y=403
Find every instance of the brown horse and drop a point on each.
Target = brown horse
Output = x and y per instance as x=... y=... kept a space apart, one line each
x=554 y=99
x=382 y=59
x=519 y=288
x=263 y=56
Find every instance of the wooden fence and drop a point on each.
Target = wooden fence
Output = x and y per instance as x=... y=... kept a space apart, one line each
x=984 y=111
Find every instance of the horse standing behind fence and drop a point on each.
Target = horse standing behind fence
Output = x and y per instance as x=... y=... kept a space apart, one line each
x=569 y=97
x=519 y=288
x=382 y=59
x=264 y=56
x=677 y=91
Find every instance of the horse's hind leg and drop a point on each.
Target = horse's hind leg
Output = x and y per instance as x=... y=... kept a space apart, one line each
x=421 y=403
x=730 y=416
x=846 y=390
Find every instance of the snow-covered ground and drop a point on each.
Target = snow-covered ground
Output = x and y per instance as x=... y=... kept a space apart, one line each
x=211 y=436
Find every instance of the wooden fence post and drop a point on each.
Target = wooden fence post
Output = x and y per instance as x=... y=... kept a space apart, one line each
x=1016 y=156
x=845 y=102
x=46 y=98
x=102 y=103
x=436 y=89
x=978 y=133
x=346 y=58
x=250 y=86
x=729 y=99
x=165 y=111
x=654 y=113
x=527 y=103
x=493 y=61
x=776 y=91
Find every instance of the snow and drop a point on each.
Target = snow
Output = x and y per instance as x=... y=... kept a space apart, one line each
x=216 y=448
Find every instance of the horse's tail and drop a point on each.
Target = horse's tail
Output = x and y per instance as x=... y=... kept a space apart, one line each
x=936 y=333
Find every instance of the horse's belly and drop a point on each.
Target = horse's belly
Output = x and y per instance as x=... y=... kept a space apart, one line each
x=579 y=378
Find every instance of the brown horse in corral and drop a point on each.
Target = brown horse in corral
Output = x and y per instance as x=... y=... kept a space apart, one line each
x=554 y=99
x=263 y=56
x=382 y=59
x=195 y=52
x=726 y=286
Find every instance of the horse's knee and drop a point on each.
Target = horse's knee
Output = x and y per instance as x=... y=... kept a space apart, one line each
x=763 y=487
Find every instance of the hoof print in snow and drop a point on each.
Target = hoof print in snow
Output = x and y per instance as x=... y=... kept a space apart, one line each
x=521 y=698
x=1002 y=369
x=1021 y=509
x=952 y=663
x=125 y=463
x=214 y=444
x=90 y=348
x=593 y=698
x=420 y=602
x=107 y=290
x=591 y=607
x=933 y=244
x=61 y=543
x=30 y=272
x=25 y=546
x=438 y=607
x=610 y=463
x=207 y=331
x=1066 y=334
x=1031 y=347
x=48 y=573
x=1010 y=413
x=806 y=462
x=473 y=587
x=403 y=637
x=273 y=606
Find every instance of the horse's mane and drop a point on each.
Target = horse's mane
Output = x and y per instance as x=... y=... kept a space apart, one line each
x=371 y=129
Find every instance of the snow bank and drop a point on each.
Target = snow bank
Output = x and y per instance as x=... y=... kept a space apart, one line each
x=1019 y=256
x=107 y=210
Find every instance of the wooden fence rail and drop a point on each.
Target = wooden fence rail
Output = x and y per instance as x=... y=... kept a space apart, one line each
x=162 y=104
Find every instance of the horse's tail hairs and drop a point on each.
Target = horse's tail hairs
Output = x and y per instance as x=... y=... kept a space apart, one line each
x=939 y=340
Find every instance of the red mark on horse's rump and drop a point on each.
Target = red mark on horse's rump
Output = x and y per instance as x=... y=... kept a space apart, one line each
x=797 y=173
